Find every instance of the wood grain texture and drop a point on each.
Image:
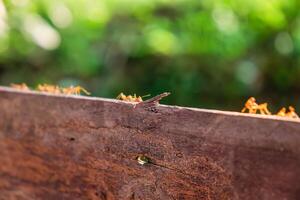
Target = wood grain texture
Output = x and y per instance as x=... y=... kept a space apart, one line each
x=60 y=147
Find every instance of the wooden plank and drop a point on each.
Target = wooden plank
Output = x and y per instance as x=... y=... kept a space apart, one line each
x=66 y=147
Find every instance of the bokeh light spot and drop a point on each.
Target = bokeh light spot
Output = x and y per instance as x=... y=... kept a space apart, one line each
x=19 y=3
x=3 y=15
x=41 y=32
x=284 y=43
x=162 y=41
x=247 y=72
x=225 y=20
x=61 y=15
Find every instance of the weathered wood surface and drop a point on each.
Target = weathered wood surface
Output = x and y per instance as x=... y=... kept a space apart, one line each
x=59 y=147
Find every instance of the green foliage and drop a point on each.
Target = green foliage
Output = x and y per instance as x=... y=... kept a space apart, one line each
x=210 y=53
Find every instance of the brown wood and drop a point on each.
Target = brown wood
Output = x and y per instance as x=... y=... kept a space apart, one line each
x=66 y=147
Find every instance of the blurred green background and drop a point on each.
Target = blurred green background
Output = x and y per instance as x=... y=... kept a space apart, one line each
x=209 y=53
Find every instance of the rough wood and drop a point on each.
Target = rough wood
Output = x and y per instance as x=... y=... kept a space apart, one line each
x=59 y=147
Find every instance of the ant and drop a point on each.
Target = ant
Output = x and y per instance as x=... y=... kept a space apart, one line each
x=282 y=112
x=21 y=86
x=54 y=89
x=130 y=98
x=292 y=113
x=75 y=90
x=252 y=106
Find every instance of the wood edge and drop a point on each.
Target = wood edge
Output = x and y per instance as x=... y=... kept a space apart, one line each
x=109 y=100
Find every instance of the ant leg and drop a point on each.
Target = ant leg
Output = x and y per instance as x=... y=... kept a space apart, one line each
x=119 y=96
x=262 y=111
x=85 y=91
x=268 y=112
x=253 y=110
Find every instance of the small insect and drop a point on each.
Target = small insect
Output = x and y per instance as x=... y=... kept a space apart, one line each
x=292 y=113
x=75 y=90
x=143 y=160
x=263 y=108
x=250 y=105
x=21 y=86
x=54 y=89
x=130 y=98
x=282 y=112
x=253 y=107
